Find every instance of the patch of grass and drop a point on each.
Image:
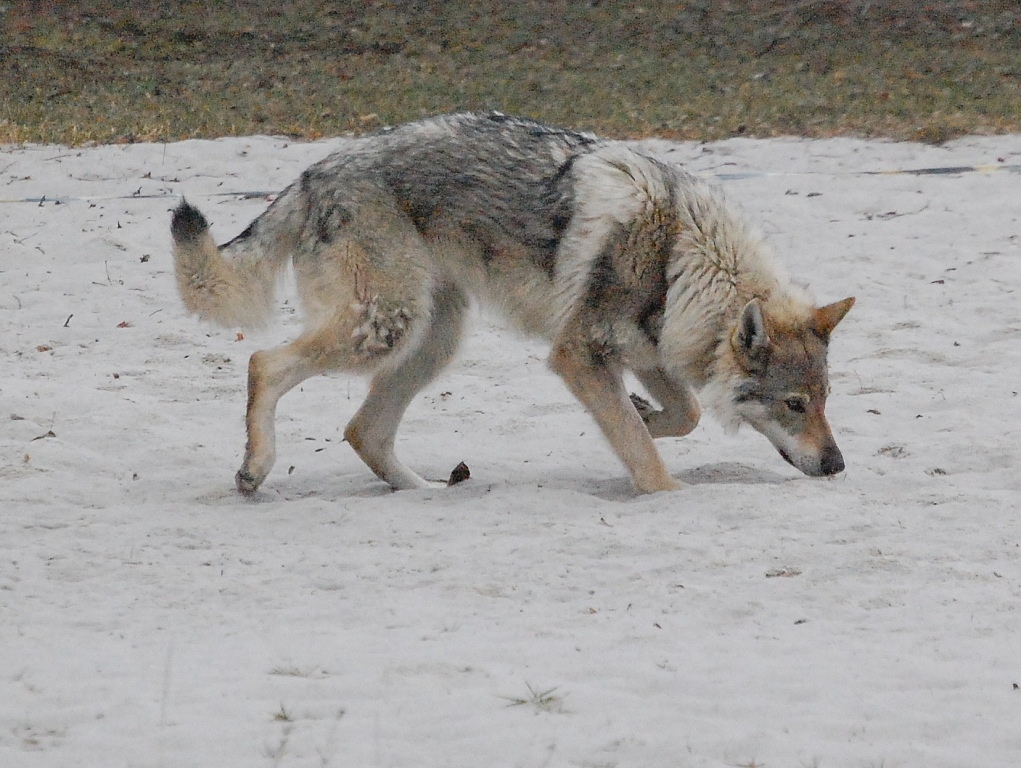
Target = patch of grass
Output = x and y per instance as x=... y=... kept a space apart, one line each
x=125 y=71
x=540 y=700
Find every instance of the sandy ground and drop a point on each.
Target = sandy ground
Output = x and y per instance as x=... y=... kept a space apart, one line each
x=538 y=614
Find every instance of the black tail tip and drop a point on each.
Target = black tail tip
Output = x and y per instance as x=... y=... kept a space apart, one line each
x=188 y=223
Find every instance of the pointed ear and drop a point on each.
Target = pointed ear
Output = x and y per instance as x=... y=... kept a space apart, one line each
x=750 y=336
x=825 y=319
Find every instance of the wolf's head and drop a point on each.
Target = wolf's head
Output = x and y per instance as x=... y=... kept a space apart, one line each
x=781 y=381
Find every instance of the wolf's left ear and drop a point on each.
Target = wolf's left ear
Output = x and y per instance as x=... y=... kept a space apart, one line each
x=825 y=319
x=751 y=338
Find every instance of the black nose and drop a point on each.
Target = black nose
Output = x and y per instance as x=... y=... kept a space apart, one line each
x=831 y=462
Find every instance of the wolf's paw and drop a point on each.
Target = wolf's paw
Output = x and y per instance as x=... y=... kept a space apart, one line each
x=658 y=483
x=643 y=406
x=246 y=483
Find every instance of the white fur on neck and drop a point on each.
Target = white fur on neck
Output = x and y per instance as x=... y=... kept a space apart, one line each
x=719 y=265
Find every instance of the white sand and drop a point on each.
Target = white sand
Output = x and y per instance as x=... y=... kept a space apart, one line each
x=150 y=616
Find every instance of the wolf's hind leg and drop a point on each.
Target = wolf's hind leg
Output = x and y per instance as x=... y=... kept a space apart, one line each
x=680 y=412
x=272 y=373
x=366 y=334
x=372 y=430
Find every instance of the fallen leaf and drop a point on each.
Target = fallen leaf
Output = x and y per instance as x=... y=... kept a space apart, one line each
x=459 y=475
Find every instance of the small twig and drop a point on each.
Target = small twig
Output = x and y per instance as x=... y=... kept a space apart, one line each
x=67 y=323
x=894 y=214
x=21 y=240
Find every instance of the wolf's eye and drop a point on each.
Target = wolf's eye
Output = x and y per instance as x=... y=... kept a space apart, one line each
x=795 y=404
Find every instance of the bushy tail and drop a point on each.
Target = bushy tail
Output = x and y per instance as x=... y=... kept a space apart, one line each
x=235 y=292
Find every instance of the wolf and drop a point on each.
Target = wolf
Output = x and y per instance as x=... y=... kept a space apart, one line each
x=620 y=260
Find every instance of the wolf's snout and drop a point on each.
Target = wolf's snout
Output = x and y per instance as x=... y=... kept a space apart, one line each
x=831 y=461
x=828 y=462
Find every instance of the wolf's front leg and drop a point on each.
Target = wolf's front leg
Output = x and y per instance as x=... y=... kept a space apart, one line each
x=680 y=412
x=599 y=386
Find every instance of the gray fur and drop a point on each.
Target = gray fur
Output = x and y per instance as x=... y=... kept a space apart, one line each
x=619 y=259
x=503 y=182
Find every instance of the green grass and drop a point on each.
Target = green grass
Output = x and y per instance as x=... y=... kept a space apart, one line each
x=154 y=71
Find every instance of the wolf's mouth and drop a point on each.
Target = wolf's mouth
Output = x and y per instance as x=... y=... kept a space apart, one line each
x=785 y=457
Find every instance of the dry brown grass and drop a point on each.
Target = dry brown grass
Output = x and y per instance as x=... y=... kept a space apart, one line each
x=75 y=73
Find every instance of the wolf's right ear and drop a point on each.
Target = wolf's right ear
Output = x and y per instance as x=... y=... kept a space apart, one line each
x=825 y=319
x=751 y=338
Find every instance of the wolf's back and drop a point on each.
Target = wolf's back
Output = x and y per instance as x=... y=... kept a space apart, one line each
x=232 y=285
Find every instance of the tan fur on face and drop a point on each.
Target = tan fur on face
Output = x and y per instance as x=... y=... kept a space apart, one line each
x=779 y=385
